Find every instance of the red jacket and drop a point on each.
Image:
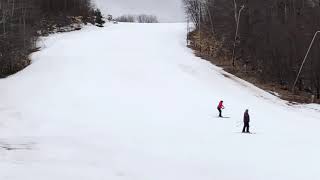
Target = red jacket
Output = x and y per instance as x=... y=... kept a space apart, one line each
x=220 y=106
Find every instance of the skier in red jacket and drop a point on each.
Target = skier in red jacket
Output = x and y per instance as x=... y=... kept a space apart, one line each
x=220 y=107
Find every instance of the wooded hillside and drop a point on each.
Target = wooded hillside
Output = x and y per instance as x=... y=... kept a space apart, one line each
x=270 y=42
x=22 y=21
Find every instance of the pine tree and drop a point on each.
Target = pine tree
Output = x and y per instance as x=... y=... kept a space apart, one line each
x=99 y=18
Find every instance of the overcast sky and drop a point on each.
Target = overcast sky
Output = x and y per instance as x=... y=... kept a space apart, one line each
x=166 y=10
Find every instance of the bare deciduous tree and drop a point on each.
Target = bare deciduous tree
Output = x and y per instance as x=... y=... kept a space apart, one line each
x=271 y=40
x=22 y=20
x=143 y=18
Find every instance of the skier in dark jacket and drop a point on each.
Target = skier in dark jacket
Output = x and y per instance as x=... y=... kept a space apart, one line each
x=220 y=107
x=246 y=121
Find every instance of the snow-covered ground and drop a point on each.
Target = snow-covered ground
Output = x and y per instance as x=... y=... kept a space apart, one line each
x=131 y=102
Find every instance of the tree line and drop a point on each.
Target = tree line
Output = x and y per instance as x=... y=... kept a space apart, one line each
x=23 y=21
x=266 y=38
x=142 y=18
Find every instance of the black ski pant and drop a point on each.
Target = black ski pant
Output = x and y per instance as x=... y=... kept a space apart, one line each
x=246 y=127
x=219 y=109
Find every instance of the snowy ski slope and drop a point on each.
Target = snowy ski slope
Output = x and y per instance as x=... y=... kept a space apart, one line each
x=131 y=102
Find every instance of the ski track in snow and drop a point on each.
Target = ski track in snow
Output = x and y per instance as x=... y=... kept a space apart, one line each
x=132 y=102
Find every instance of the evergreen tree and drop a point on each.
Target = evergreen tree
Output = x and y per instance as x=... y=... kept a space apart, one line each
x=99 y=18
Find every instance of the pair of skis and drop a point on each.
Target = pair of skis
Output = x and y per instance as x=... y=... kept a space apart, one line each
x=223 y=117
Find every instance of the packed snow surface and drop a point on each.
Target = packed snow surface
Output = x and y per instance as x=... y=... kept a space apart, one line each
x=132 y=102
